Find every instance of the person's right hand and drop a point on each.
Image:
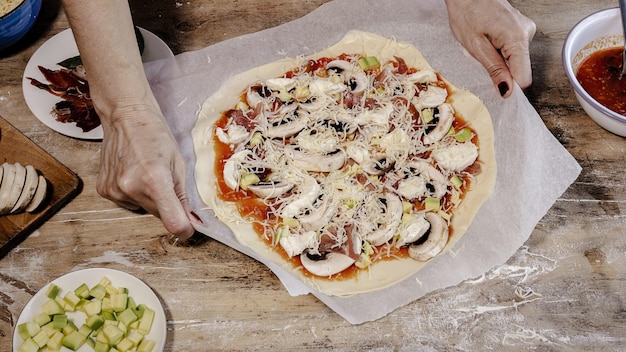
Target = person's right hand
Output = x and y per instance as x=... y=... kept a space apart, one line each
x=141 y=167
x=140 y=164
x=498 y=36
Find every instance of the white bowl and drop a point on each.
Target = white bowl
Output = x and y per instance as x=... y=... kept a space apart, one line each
x=600 y=30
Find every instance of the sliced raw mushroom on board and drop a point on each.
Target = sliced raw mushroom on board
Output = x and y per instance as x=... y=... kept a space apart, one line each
x=28 y=190
x=40 y=195
x=22 y=188
x=6 y=189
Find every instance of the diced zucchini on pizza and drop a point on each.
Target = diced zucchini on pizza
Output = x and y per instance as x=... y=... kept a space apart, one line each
x=22 y=188
x=345 y=152
x=113 y=321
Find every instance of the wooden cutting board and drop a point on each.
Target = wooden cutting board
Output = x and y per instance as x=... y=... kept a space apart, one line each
x=62 y=182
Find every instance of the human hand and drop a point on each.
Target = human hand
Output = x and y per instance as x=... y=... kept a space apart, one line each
x=141 y=167
x=498 y=36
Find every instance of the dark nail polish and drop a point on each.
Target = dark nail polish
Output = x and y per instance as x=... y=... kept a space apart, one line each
x=195 y=216
x=503 y=87
x=196 y=239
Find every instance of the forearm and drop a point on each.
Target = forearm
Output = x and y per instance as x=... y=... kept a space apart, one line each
x=105 y=37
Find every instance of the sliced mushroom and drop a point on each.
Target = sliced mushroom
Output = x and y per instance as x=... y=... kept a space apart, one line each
x=434 y=243
x=319 y=215
x=340 y=67
x=28 y=191
x=12 y=184
x=21 y=188
x=357 y=153
x=287 y=126
x=412 y=231
x=413 y=187
x=280 y=84
x=408 y=90
x=437 y=183
x=321 y=88
x=353 y=77
x=456 y=157
x=378 y=117
x=232 y=168
x=40 y=195
x=6 y=186
x=313 y=104
x=431 y=97
x=296 y=243
x=254 y=98
x=330 y=263
x=378 y=165
x=423 y=76
x=270 y=189
x=307 y=192
x=313 y=162
x=358 y=83
x=327 y=265
x=392 y=216
x=234 y=134
x=275 y=116
x=444 y=118
x=342 y=123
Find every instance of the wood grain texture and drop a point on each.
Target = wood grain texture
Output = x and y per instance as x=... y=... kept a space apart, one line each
x=564 y=290
x=62 y=185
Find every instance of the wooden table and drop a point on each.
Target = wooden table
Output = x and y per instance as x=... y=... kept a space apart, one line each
x=572 y=268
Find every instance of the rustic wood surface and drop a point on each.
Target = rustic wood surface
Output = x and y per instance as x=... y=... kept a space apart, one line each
x=564 y=290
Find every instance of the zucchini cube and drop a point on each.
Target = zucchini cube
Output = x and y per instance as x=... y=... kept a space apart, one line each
x=127 y=317
x=52 y=307
x=74 y=340
x=82 y=291
x=113 y=334
x=41 y=319
x=146 y=346
x=52 y=291
x=55 y=342
x=28 y=329
x=28 y=346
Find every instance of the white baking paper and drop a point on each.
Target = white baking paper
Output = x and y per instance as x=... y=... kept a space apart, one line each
x=533 y=168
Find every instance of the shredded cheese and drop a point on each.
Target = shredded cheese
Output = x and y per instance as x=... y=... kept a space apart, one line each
x=375 y=119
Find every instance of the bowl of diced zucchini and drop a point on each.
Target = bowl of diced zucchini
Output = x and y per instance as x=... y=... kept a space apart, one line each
x=97 y=309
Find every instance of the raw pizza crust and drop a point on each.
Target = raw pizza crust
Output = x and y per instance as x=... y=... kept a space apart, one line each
x=382 y=274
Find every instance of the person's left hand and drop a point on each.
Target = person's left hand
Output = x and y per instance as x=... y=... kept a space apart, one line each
x=498 y=36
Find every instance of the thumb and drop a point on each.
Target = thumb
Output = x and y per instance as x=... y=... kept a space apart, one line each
x=173 y=209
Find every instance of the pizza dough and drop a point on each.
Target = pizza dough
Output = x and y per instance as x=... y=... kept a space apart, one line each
x=382 y=273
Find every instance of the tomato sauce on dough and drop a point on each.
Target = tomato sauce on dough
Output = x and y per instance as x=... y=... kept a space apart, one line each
x=599 y=75
x=265 y=223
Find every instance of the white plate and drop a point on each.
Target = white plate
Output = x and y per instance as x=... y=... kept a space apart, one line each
x=139 y=291
x=56 y=49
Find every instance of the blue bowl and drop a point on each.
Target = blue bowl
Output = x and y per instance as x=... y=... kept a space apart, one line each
x=15 y=24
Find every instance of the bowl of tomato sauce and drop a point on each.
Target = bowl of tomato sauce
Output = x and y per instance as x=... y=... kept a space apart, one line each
x=592 y=59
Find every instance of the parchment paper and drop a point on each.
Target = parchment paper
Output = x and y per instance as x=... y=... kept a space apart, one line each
x=533 y=168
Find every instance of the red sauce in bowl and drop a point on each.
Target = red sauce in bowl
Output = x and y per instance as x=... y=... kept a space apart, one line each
x=599 y=75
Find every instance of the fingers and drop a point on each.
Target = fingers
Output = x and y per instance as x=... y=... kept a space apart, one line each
x=155 y=192
x=517 y=57
x=175 y=213
x=498 y=36
x=484 y=51
x=505 y=66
